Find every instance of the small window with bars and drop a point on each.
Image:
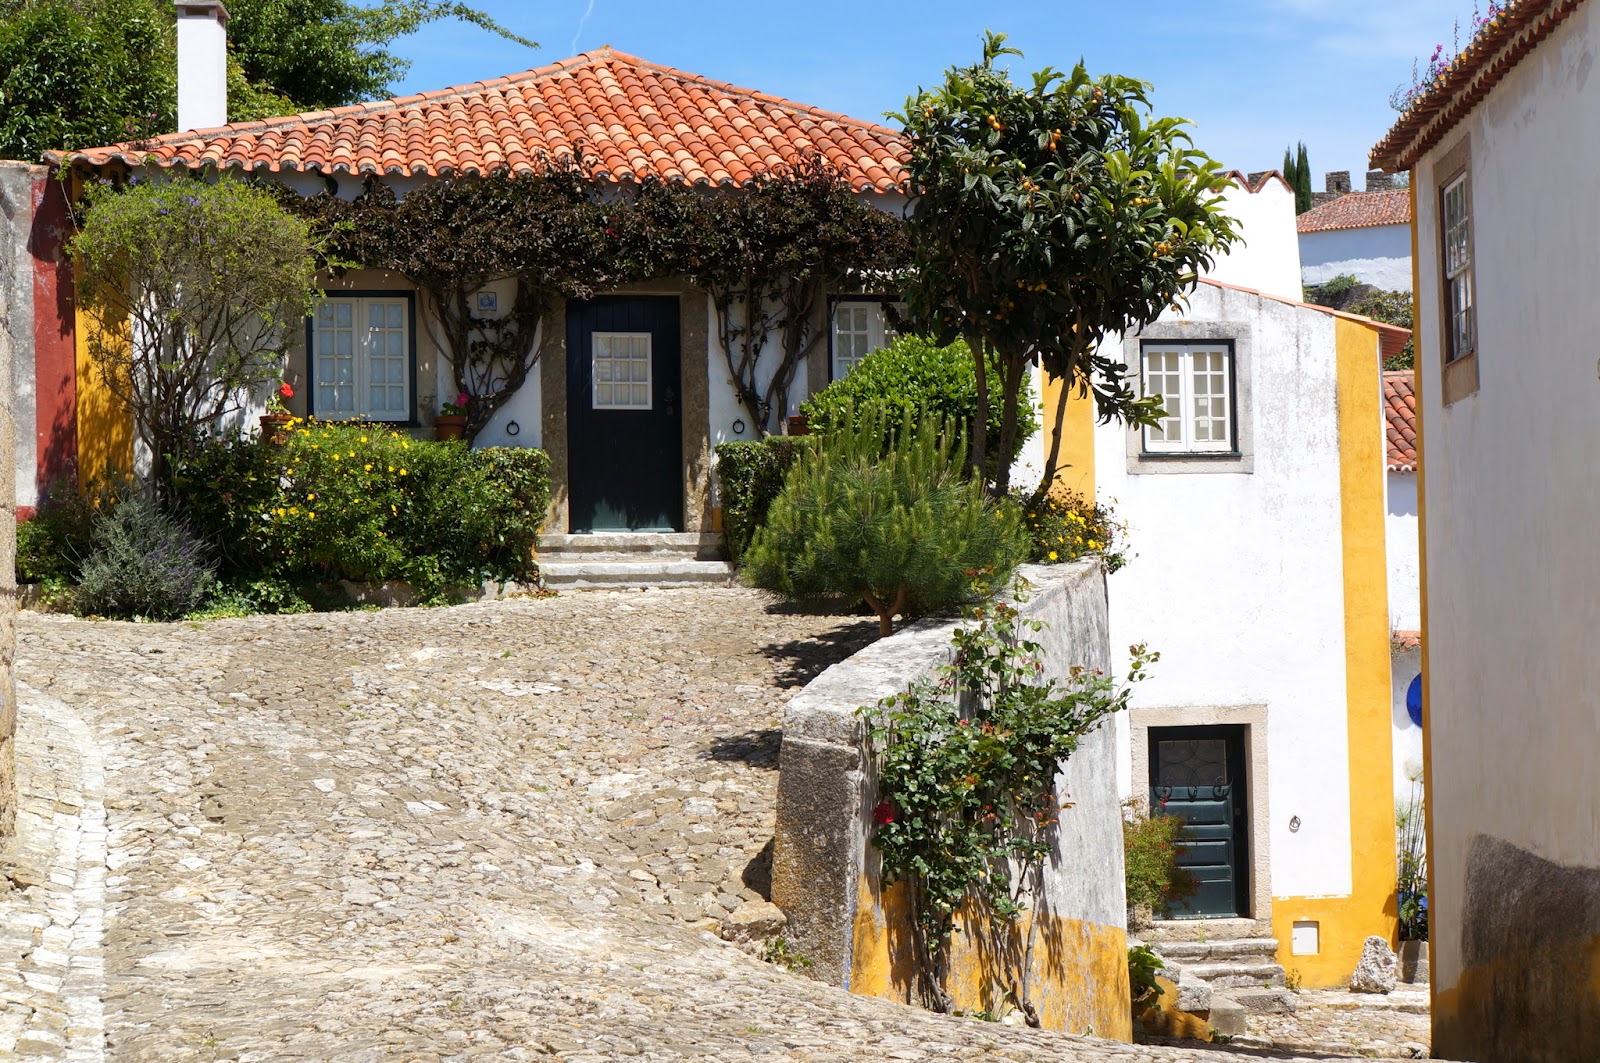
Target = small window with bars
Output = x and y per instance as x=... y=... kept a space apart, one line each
x=860 y=326
x=1195 y=383
x=621 y=362
x=1460 y=325
x=361 y=358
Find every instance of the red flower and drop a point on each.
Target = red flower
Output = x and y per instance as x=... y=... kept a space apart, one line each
x=883 y=814
x=285 y=390
x=462 y=398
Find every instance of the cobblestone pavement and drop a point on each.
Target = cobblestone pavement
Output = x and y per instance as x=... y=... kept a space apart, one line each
x=492 y=832
x=1354 y=1024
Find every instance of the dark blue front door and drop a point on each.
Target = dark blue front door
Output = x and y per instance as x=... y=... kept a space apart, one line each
x=1198 y=775
x=624 y=414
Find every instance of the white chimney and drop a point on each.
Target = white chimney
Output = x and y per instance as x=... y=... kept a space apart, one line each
x=202 y=65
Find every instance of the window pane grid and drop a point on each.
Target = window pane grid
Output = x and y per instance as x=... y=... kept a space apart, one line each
x=1195 y=387
x=620 y=364
x=1458 y=270
x=361 y=348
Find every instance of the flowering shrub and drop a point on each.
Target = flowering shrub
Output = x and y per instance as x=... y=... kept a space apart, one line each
x=1150 y=859
x=966 y=763
x=1064 y=526
x=1425 y=79
x=363 y=502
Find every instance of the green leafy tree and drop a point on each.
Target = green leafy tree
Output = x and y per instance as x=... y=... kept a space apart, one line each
x=75 y=73
x=912 y=374
x=901 y=531
x=192 y=292
x=1048 y=216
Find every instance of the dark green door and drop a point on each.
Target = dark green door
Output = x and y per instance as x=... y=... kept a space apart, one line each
x=1198 y=775
x=624 y=414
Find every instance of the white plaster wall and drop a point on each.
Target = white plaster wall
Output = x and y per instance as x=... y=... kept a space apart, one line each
x=1404 y=666
x=1268 y=259
x=1513 y=586
x=1402 y=546
x=1238 y=582
x=524 y=409
x=1379 y=255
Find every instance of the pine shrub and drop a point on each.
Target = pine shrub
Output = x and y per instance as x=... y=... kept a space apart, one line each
x=902 y=531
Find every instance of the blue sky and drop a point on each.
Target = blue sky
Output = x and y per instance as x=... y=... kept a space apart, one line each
x=1254 y=75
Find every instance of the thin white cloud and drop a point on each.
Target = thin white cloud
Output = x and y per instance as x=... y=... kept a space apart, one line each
x=579 y=31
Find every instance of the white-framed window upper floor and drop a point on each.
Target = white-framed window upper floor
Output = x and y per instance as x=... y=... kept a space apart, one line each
x=1455 y=216
x=361 y=353
x=1196 y=383
x=857 y=327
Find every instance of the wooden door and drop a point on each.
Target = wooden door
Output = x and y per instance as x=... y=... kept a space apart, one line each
x=624 y=414
x=1198 y=775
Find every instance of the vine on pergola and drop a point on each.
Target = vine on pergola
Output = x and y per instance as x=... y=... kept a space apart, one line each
x=767 y=254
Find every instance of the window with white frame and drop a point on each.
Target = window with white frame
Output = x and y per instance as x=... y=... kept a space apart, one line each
x=1195 y=383
x=361 y=357
x=860 y=326
x=1460 y=330
x=621 y=362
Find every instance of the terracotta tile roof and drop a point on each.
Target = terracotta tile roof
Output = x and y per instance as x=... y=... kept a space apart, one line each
x=630 y=117
x=1243 y=180
x=1358 y=210
x=1400 y=414
x=1487 y=58
x=1391 y=338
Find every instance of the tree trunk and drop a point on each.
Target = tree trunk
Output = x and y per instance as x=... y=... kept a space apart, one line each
x=980 y=427
x=1010 y=391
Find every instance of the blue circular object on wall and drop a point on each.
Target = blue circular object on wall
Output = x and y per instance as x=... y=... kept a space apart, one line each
x=1414 y=701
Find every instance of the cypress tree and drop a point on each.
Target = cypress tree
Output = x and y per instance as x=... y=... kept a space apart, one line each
x=1302 y=184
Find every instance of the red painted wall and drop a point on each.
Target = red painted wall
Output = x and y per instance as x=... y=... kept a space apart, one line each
x=54 y=336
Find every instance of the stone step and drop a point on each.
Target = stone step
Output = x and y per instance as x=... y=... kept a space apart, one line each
x=1236 y=975
x=1264 y=1001
x=701 y=546
x=1231 y=949
x=582 y=575
x=1166 y=930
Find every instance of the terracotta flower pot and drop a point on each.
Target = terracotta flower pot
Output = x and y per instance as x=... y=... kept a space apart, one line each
x=449 y=426
x=274 y=427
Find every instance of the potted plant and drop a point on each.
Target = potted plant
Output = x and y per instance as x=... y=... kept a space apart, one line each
x=277 y=418
x=452 y=419
x=1413 y=887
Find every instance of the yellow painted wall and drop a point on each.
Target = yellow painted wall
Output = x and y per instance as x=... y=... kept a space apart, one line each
x=1077 y=437
x=1080 y=969
x=105 y=424
x=1346 y=922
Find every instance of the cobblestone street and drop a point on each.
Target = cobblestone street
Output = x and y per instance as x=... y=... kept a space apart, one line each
x=492 y=832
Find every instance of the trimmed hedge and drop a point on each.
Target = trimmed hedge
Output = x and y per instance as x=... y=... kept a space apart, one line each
x=365 y=503
x=749 y=476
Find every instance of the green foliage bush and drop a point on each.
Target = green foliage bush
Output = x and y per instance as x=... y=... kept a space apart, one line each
x=365 y=503
x=1150 y=858
x=749 y=476
x=144 y=564
x=902 y=531
x=1064 y=526
x=913 y=374
x=52 y=545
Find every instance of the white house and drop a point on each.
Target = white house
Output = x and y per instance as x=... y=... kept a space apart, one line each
x=1401 y=545
x=1366 y=235
x=1503 y=150
x=1256 y=514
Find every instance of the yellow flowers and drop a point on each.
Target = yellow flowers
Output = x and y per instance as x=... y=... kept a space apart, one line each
x=1054 y=556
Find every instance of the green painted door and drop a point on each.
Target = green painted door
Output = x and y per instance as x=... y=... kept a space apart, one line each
x=1198 y=775
x=624 y=414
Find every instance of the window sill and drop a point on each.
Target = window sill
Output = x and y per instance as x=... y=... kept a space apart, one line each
x=1226 y=461
x=1459 y=379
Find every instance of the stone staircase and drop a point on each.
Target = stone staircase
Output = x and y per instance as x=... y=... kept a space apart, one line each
x=622 y=560
x=1236 y=958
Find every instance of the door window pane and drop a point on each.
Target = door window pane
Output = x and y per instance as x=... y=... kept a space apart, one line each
x=621 y=365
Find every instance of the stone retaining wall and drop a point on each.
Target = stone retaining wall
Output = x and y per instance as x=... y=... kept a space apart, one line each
x=827 y=875
x=16 y=328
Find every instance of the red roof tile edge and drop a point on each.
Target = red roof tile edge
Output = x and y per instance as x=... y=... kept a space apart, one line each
x=130 y=154
x=1400 y=420
x=1312 y=221
x=1487 y=58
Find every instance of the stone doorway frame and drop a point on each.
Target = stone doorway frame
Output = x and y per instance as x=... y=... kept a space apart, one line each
x=1253 y=718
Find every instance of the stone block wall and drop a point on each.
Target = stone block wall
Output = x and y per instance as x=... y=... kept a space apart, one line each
x=827 y=876
x=17 y=184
